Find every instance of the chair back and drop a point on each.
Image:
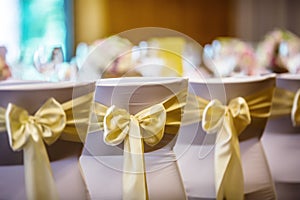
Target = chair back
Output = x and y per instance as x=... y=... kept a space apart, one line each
x=132 y=94
x=31 y=96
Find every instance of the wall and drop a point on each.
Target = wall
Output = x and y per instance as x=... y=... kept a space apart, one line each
x=202 y=20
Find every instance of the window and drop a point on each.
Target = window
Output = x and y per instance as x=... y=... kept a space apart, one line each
x=27 y=25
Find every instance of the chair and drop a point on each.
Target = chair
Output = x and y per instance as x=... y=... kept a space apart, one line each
x=63 y=153
x=281 y=137
x=106 y=166
x=207 y=140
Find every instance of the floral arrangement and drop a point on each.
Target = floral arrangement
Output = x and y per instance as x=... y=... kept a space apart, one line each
x=279 y=52
x=5 y=72
x=230 y=56
x=108 y=57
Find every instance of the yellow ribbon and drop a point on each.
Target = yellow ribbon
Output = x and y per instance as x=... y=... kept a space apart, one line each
x=2 y=119
x=78 y=116
x=28 y=132
x=296 y=109
x=228 y=122
x=148 y=126
x=286 y=102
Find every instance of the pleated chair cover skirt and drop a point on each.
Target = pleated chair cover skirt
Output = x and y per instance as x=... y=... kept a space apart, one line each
x=195 y=149
x=102 y=164
x=63 y=155
x=281 y=142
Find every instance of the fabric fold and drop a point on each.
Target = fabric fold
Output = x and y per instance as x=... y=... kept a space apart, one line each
x=78 y=117
x=289 y=105
x=2 y=119
x=295 y=113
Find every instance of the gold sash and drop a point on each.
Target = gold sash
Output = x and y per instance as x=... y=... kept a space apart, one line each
x=148 y=126
x=28 y=133
x=228 y=121
x=286 y=102
x=2 y=120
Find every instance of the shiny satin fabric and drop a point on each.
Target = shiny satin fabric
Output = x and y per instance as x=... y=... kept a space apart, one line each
x=55 y=124
x=31 y=96
x=295 y=113
x=143 y=122
x=2 y=120
x=28 y=133
x=285 y=103
x=147 y=126
x=227 y=121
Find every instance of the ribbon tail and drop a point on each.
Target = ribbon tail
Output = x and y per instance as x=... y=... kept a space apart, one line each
x=38 y=174
x=134 y=177
x=228 y=166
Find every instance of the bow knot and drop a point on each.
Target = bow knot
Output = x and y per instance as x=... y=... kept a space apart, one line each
x=47 y=123
x=118 y=124
x=215 y=111
x=146 y=126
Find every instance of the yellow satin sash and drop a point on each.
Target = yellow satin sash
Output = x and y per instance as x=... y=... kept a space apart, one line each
x=286 y=102
x=228 y=121
x=2 y=120
x=28 y=133
x=148 y=126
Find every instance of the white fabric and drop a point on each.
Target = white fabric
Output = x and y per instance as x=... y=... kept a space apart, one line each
x=66 y=174
x=102 y=164
x=196 y=161
x=281 y=143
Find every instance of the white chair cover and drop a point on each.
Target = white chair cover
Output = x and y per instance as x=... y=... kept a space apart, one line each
x=281 y=143
x=195 y=149
x=63 y=155
x=102 y=165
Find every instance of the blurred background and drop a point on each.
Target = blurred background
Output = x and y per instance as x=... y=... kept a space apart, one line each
x=202 y=20
x=31 y=26
x=27 y=23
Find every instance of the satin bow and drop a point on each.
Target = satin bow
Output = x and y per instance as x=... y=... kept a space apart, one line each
x=289 y=105
x=146 y=126
x=149 y=126
x=228 y=122
x=28 y=132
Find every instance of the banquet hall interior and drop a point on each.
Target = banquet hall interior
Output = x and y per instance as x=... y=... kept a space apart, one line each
x=149 y=99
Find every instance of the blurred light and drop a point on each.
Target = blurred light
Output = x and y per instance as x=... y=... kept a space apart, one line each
x=43 y=25
x=10 y=28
